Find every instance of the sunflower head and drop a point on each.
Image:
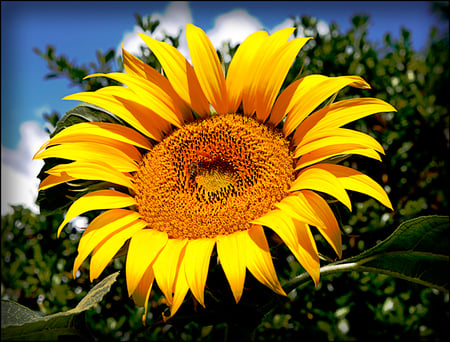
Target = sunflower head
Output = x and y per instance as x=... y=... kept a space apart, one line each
x=197 y=162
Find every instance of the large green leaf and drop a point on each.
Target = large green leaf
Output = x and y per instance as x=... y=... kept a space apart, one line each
x=418 y=251
x=22 y=324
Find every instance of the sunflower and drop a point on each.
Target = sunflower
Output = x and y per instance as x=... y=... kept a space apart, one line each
x=206 y=162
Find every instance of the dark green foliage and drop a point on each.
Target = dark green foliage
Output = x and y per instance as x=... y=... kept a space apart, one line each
x=36 y=267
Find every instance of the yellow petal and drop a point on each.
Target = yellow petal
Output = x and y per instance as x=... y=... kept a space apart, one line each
x=339 y=114
x=308 y=254
x=240 y=69
x=272 y=73
x=302 y=246
x=332 y=151
x=97 y=200
x=51 y=180
x=268 y=49
x=142 y=292
x=259 y=260
x=105 y=224
x=135 y=66
x=99 y=132
x=122 y=158
x=284 y=103
x=197 y=256
x=309 y=96
x=336 y=136
x=329 y=228
x=308 y=207
x=356 y=181
x=229 y=250
x=93 y=171
x=167 y=266
x=134 y=113
x=289 y=97
x=318 y=179
x=155 y=97
x=180 y=74
x=144 y=247
x=181 y=289
x=207 y=68
x=105 y=251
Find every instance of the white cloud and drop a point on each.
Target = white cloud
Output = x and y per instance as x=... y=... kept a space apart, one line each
x=234 y=27
x=174 y=19
x=19 y=182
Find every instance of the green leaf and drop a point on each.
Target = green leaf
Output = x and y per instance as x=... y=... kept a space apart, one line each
x=85 y=112
x=22 y=324
x=418 y=251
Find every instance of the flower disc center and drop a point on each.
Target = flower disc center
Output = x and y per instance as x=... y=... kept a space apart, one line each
x=213 y=177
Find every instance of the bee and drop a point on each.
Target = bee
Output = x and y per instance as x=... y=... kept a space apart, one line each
x=191 y=171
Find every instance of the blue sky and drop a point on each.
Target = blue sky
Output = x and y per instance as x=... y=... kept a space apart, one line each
x=79 y=29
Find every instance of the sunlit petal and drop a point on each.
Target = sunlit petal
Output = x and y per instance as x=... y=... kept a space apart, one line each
x=93 y=171
x=105 y=251
x=318 y=179
x=196 y=257
x=310 y=95
x=258 y=259
x=135 y=66
x=271 y=75
x=155 y=97
x=167 y=266
x=240 y=69
x=324 y=153
x=297 y=236
x=97 y=200
x=99 y=132
x=356 y=181
x=308 y=207
x=144 y=248
x=339 y=114
x=336 y=136
x=231 y=256
x=142 y=292
x=180 y=74
x=146 y=122
x=122 y=158
x=105 y=224
x=207 y=68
